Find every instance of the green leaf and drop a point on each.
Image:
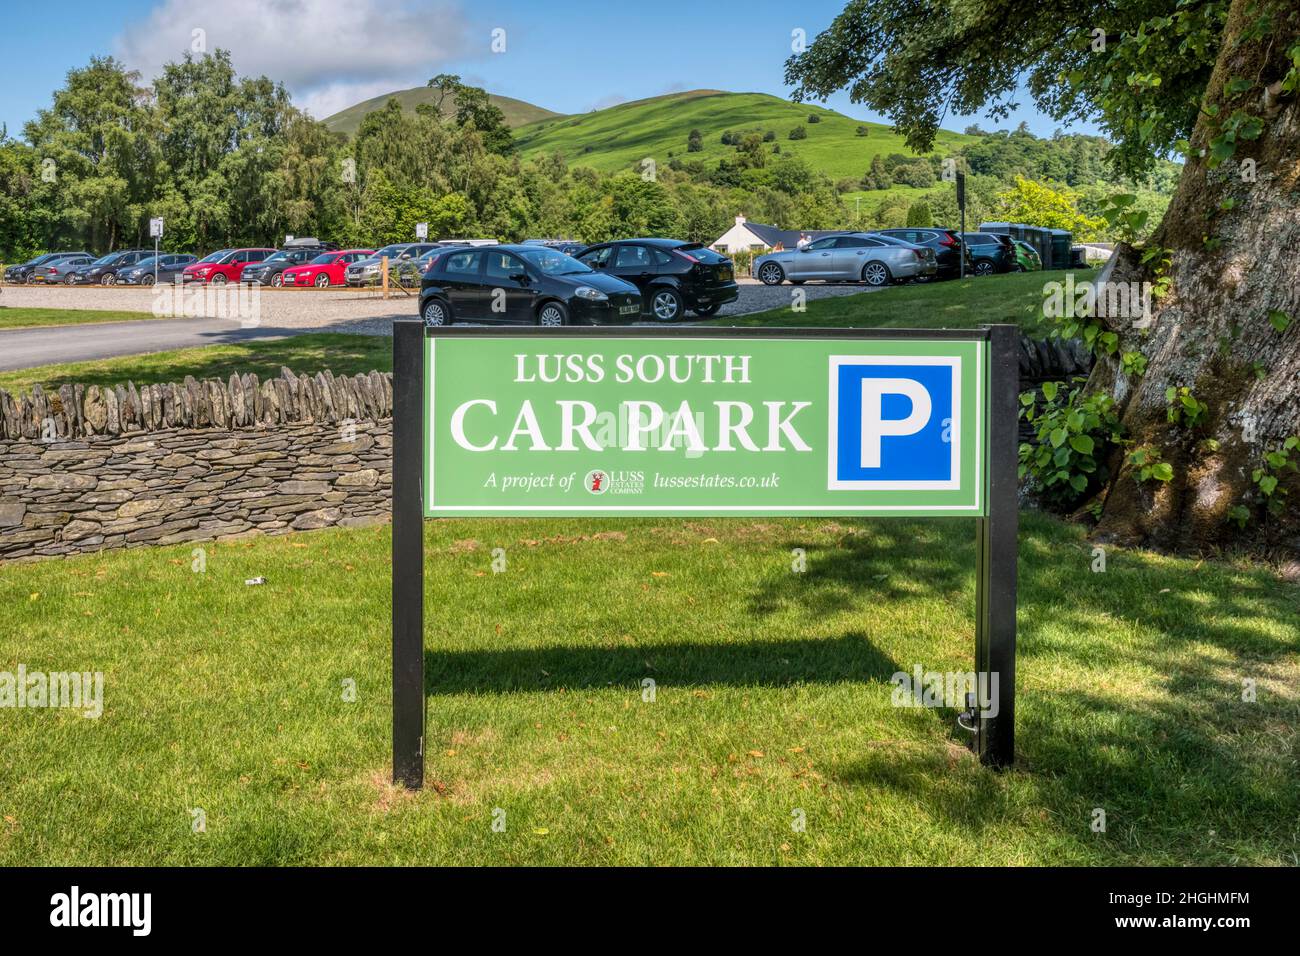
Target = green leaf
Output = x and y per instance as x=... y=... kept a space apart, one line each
x=1078 y=483
x=1049 y=390
x=1267 y=484
x=1082 y=444
x=1059 y=435
x=1280 y=320
x=1163 y=471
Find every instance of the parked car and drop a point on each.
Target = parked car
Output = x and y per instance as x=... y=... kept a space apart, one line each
x=1027 y=257
x=104 y=270
x=673 y=276
x=947 y=246
x=992 y=253
x=224 y=265
x=366 y=271
x=522 y=284
x=166 y=267
x=58 y=269
x=22 y=272
x=876 y=260
x=569 y=247
x=327 y=269
x=270 y=271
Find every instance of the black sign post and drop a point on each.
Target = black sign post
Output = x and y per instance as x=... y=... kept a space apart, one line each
x=996 y=535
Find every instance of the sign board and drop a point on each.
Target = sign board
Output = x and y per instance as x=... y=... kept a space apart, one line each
x=421 y=230
x=707 y=422
x=703 y=425
x=156 y=228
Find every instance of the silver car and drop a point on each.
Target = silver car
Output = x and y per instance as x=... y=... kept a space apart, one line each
x=849 y=257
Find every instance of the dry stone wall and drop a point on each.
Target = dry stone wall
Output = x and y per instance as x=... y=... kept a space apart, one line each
x=87 y=468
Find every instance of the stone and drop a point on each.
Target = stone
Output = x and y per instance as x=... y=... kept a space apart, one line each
x=321 y=518
x=64 y=482
x=176 y=460
x=11 y=513
x=303 y=487
x=75 y=530
x=366 y=478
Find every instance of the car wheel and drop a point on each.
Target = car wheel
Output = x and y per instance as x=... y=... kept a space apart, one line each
x=218 y=279
x=322 y=281
x=771 y=274
x=666 y=305
x=553 y=315
x=875 y=274
x=107 y=279
x=147 y=279
x=436 y=313
x=983 y=268
x=1019 y=267
x=68 y=280
x=709 y=310
x=277 y=280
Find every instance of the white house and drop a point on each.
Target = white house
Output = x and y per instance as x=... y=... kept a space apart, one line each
x=746 y=236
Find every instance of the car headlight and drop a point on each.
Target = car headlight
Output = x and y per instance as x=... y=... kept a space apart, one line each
x=593 y=295
x=370 y=269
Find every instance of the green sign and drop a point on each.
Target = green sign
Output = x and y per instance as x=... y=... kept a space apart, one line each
x=598 y=424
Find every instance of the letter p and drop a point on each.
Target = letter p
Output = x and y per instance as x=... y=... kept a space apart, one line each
x=875 y=426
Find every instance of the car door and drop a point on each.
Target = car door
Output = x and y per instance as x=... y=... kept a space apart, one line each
x=632 y=262
x=849 y=256
x=817 y=259
x=507 y=288
x=462 y=283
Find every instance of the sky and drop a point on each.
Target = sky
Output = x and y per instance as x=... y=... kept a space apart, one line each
x=570 y=57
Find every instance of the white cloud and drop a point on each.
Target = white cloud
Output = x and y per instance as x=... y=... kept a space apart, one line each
x=329 y=53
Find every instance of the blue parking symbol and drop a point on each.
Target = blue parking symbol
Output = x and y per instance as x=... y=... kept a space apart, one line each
x=893 y=425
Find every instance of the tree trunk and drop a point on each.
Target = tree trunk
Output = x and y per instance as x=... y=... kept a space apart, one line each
x=1212 y=332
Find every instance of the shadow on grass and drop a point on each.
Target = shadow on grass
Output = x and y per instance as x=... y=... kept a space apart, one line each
x=758 y=663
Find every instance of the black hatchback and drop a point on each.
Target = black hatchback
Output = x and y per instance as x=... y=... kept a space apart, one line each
x=673 y=276
x=523 y=285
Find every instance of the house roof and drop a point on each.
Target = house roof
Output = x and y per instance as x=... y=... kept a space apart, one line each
x=772 y=236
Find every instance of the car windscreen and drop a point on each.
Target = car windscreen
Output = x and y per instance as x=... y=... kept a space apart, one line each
x=278 y=257
x=391 y=251
x=325 y=259
x=551 y=262
x=143 y=263
x=108 y=259
x=216 y=256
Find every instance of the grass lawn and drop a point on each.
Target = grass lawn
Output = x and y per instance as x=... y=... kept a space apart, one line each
x=342 y=354
x=773 y=696
x=955 y=304
x=24 y=318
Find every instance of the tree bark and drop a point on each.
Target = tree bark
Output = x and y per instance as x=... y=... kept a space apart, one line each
x=1211 y=332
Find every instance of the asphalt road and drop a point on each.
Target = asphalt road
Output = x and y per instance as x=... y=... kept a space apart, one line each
x=292 y=314
x=25 y=348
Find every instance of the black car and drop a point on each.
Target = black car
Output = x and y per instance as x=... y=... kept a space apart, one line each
x=169 y=266
x=270 y=271
x=947 y=245
x=673 y=276
x=104 y=270
x=22 y=272
x=526 y=285
x=992 y=253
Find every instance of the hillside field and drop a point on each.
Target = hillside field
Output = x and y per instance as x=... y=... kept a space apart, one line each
x=623 y=135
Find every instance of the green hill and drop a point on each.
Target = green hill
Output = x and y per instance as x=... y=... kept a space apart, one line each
x=518 y=113
x=621 y=136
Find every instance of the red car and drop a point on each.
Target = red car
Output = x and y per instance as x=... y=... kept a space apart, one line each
x=224 y=265
x=326 y=269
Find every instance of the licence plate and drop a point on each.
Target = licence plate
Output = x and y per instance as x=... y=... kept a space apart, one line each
x=629 y=309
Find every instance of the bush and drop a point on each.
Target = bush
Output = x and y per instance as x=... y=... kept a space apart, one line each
x=863 y=131
x=694 y=142
x=798 y=133
x=769 y=136
x=814 y=118
x=1075 y=433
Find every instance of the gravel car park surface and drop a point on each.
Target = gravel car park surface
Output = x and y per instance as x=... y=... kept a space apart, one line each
x=282 y=313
